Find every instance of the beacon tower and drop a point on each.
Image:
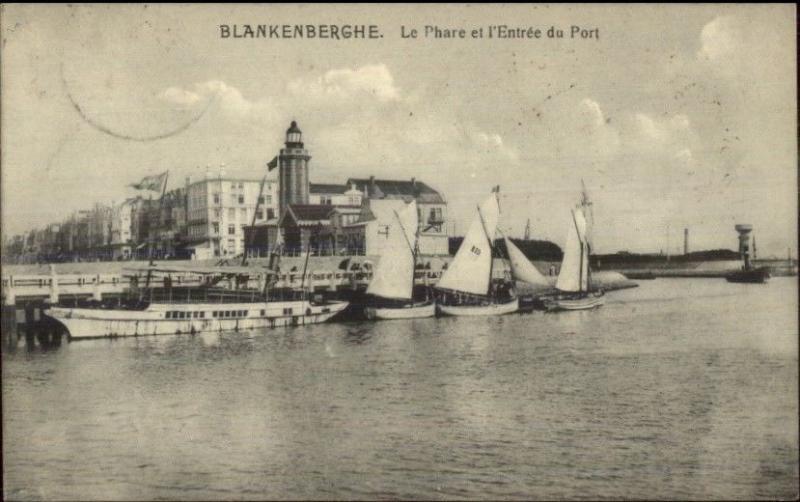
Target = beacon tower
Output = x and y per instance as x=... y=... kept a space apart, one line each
x=293 y=170
x=744 y=230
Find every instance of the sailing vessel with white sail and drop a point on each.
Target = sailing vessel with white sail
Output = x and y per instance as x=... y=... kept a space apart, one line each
x=466 y=287
x=391 y=289
x=574 y=282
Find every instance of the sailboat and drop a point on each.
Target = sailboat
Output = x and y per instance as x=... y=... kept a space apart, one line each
x=574 y=282
x=392 y=285
x=466 y=287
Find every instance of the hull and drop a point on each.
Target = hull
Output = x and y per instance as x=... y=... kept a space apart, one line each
x=480 y=310
x=756 y=276
x=582 y=303
x=176 y=319
x=409 y=312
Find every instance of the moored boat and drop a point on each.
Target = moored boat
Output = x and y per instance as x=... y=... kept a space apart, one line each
x=574 y=283
x=192 y=310
x=176 y=319
x=467 y=287
x=391 y=290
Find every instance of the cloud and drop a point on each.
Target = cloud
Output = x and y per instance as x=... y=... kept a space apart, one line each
x=346 y=83
x=718 y=38
x=229 y=99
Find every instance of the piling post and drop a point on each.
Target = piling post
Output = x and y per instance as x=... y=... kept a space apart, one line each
x=96 y=293
x=53 y=285
x=10 y=295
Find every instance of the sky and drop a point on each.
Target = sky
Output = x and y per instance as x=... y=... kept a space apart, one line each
x=674 y=116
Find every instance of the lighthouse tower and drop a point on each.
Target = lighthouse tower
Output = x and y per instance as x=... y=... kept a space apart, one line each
x=293 y=170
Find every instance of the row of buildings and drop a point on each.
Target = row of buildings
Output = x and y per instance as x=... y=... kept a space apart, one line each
x=221 y=216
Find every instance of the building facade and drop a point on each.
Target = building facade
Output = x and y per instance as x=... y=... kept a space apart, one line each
x=220 y=208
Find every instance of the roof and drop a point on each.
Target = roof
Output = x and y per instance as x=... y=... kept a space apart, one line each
x=306 y=214
x=328 y=188
x=398 y=189
x=381 y=210
x=346 y=209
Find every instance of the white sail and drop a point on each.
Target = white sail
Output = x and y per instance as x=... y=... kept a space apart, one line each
x=471 y=268
x=522 y=268
x=409 y=221
x=393 y=277
x=573 y=275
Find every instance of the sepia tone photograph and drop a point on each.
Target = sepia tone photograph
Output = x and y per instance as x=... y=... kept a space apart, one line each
x=405 y=252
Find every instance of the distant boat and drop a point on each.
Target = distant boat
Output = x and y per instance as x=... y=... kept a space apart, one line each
x=748 y=273
x=467 y=288
x=574 y=282
x=392 y=286
x=753 y=275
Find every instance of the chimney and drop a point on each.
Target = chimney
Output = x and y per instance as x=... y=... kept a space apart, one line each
x=685 y=241
x=371 y=189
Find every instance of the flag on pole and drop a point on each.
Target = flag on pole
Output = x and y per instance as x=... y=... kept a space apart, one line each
x=154 y=183
x=272 y=164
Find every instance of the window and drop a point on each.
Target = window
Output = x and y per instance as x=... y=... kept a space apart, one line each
x=202 y=315
x=287 y=311
x=263 y=312
x=215 y=314
x=261 y=199
x=354 y=200
x=241 y=185
x=227 y=313
x=217 y=213
x=270 y=214
x=259 y=214
x=243 y=213
x=169 y=315
x=233 y=186
x=216 y=198
x=269 y=199
x=215 y=229
x=241 y=199
x=231 y=229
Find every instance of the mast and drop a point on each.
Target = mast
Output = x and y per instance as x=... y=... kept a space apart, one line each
x=491 y=251
x=253 y=225
x=305 y=266
x=580 y=268
x=413 y=250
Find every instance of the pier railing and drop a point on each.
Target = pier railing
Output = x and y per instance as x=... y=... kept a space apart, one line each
x=55 y=288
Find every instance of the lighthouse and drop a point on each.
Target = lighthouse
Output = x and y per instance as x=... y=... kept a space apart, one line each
x=293 y=170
